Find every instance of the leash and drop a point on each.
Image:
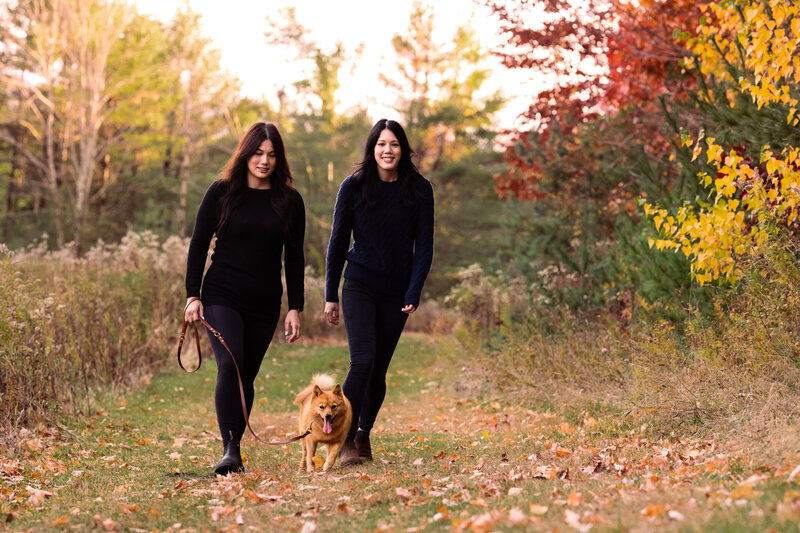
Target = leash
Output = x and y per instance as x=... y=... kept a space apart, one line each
x=238 y=376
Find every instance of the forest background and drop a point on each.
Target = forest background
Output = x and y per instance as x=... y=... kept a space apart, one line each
x=632 y=240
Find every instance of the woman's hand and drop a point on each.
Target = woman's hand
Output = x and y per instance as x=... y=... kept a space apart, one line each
x=291 y=326
x=332 y=312
x=408 y=309
x=193 y=311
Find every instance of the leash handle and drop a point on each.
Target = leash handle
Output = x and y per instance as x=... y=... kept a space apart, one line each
x=238 y=376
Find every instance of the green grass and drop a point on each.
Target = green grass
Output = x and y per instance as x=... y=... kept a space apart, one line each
x=445 y=459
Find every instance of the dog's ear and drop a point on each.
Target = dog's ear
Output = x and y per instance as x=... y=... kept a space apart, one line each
x=337 y=390
x=317 y=391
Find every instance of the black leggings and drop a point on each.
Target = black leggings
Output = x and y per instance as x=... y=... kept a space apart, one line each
x=248 y=339
x=373 y=323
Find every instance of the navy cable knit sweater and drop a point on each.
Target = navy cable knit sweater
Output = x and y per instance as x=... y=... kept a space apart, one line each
x=245 y=271
x=392 y=243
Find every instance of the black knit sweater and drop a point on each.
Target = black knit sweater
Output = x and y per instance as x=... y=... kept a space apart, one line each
x=245 y=271
x=392 y=243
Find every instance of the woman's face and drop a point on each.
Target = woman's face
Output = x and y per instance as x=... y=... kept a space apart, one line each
x=261 y=165
x=387 y=152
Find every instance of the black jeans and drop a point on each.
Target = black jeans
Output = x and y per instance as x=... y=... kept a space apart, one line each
x=373 y=323
x=248 y=339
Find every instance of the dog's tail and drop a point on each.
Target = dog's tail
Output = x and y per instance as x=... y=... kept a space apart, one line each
x=323 y=381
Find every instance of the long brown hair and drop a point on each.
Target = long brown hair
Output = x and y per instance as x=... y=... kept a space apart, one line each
x=234 y=175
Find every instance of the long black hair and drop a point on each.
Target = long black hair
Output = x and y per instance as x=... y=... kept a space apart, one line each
x=366 y=175
x=234 y=175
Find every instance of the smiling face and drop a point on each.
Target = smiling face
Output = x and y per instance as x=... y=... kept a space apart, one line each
x=387 y=155
x=261 y=165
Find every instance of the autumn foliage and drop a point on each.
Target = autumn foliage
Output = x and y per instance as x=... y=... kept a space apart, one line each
x=600 y=57
x=749 y=49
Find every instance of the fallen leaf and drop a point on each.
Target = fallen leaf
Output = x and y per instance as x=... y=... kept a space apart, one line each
x=574 y=499
x=516 y=517
x=107 y=523
x=37 y=496
x=675 y=515
x=61 y=521
x=514 y=491
x=573 y=520
x=537 y=509
x=404 y=492
x=651 y=511
x=482 y=523
x=745 y=492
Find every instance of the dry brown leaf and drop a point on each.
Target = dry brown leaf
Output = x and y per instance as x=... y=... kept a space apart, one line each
x=573 y=520
x=656 y=509
x=574 y=499
x=61 y=521
x=218 y=511
x=482 y=523
x=744 y=492
x=537 y=509
x=548 y=472
x=516 y=517
x=107 y=523
x=37 y=496
x=404 y=493
x=308 y=527
x=791 y=496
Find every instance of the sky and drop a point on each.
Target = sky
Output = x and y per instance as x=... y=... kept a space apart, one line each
x=237 y=30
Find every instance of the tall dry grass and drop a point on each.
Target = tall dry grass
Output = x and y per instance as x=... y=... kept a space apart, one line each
x=739 y=369
x=69 y=326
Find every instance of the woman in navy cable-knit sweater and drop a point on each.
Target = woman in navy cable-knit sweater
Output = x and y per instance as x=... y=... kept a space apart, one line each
x=387 y=208
x=259 y=219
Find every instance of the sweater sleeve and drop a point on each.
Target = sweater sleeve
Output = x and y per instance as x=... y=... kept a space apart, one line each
x=205 y=225
x=339 y=241
x=423 y=246
x=293 y=257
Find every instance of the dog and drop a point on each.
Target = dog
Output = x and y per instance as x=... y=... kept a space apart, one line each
x=325 y=407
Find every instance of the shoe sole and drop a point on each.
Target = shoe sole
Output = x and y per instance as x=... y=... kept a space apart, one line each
x=225 y=470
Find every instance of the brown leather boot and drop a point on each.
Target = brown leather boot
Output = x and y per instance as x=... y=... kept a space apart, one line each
x=362 y=445
x=348 y=455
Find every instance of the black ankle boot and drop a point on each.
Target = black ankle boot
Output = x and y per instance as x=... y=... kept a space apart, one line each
x=363 y=446
x=231 y=461
x=348 y=455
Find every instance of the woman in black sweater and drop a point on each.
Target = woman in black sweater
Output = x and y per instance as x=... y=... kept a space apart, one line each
x=387 y=208
x=258 y=218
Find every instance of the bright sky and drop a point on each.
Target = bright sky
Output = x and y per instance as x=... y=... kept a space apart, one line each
x=237 y=29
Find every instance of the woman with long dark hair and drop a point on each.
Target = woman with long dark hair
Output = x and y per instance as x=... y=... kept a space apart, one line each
x=387 y=208
x=258 y=218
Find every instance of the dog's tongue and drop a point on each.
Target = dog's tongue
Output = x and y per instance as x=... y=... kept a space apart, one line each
x=327 y=427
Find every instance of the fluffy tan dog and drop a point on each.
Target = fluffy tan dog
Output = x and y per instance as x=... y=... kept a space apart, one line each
x=324 y=406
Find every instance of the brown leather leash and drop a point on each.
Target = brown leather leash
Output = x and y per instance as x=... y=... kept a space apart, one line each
x=238 y=376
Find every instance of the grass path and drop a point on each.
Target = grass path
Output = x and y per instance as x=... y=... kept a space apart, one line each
x=448 y=456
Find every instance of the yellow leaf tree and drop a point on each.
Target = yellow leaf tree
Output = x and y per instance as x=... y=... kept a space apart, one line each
x=749 y=47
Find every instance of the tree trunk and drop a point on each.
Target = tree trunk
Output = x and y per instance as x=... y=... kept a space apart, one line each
x=180 y=213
